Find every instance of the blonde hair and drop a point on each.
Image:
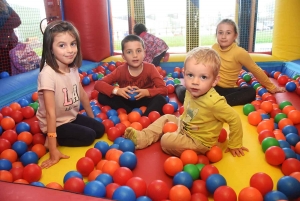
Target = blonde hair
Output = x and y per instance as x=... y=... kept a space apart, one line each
x=206 y=56
x=233 y=24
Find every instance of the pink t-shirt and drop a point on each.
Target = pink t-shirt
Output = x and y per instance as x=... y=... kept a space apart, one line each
x=66 y=91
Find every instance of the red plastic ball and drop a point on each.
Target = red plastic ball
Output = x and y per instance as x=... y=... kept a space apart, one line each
x=262 y=182
x=107 y=124
x=32 y=172
x=225 y=193
x=208 y=170
x=250 y=194
x=122 y=175
x=170 y=88
x=105 y=108
x=181 y=110
x=10 y=135
x=113 y=133
x=223 y=136
x=199 y=186
x=275 y=155
x=199 y=197
x=138 y=185
x=168 y=109
x=282 y=80
x=6 y=110
x=94 y=94
x=94 y=154
x=38 y=138
x=290 y=166
x=173 y=165
x=75 y=185
x=158 y=190
x=17 y=173
x=145 y=121
x=85 y=166
x=122 y=127
x=17 y=116
x=179 y=193
x=27 y=112
x=264 y=134
x=153 y=116
x=202 y=159
x=4 y=144
x=110 y=189
x=34 y=127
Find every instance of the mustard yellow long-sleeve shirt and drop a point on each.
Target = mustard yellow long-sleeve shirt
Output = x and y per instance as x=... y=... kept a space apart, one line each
x=232 y=60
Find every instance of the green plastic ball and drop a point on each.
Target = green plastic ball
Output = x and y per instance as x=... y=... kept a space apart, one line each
x=34 y=106
x=192 y=170
x=284 y=103
x=247 y=77
x=100 y=76
x=269 y=142
x=248 y=108
x=256 y=86
x=295 y=77
x=200 y=166
x=177 y=81
x=279 y=116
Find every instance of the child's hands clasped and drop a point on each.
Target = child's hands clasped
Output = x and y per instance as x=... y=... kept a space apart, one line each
x=237 y=152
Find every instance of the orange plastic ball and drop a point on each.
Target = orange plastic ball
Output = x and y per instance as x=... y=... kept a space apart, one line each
x=54 y=185
x=297 y=148
x=266 y=106
x=276 y=74
x=6 y=176
x=265 y=96
x=126 y=123
x=250 y=194
x=296 y=175
x=9 y=154
x=110 y=167
x=134 y=116
x=113 y=155
x=39 y=149
x=123 y=117
x=21 y=181
x=8 y=123
x=173 y=165
x=35 y=96
x=170 y=127
x=15 y=106
x=26 y=137
x=294 y=116
x=284 y=122
x=279 y=135
x=267 y=124
x=179 y=193
x=287 y=109
x=215 y=154
x=143 y=108
x=136 y=125
x=254 y=118
x=189 y=157
x=100 y=164
x=93 y=175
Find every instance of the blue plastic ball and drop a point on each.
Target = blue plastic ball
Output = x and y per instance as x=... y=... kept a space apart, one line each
x=289 y=186
x=5 y=164
x=23 y=102
x=169 y=82
x=20 y=147
x=104 y=178
x=98 y=119
x=96 y=109
x=86 y=81
x=118 y=140
x=274 y=196
x=214 y=181
x=37 y=183
x=265 y=116
x=284 y=144
x=143 y=198
x=29 y=157
x=71 y=174
x=138 y=110
x=4 y=74
x=1 y=130
x=124 y=193
x=102 y=146
x=95 y=188
x=289 y=153
x=112 y=112
x=127 y=145
x=128 y=159
x=114 y=146
x=175 y=75
x=289 y=129
x=115 y=119
x=253 y=83
x=292 y=138
x=90 y=72
x=262 y=91
x=290 y=86
x=183 y=178
x=175 y=105
x=22 y=126
x=132 y=96
x=167 y=99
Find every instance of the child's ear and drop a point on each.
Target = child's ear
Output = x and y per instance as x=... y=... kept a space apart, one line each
x=216 y=81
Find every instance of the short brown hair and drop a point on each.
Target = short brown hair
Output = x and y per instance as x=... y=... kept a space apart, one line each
x=206 y=56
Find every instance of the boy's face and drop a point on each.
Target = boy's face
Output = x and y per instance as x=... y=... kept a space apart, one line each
x=198 y=78
x=133 y=53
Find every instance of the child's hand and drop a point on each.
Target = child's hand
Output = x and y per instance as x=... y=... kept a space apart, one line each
x=237 y=152
x=280 y=89
x=141 y=93
x=55 y=157
x=124 y=92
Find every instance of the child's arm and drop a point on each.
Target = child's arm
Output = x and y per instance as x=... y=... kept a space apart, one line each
x=85 y=102
x=160 y=85
x=55 y=154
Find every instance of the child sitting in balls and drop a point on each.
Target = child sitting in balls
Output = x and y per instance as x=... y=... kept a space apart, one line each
x=133 y=77
x=205 y=111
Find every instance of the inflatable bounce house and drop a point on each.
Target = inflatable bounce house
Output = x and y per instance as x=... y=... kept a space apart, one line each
x=259 y=175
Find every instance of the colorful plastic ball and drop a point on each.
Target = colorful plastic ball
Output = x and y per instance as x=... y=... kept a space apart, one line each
x=143 y=198
x=208 y=170
x=29 y=157
x=282 y=80
x=17 y=116
x=192 y=170
x=179 y=193
x=32 y=172
x=85 y=166
x=168 y=109
x=294 y=116
x=124 y=193
x=275 y=196
x=284 y=144
x=153 y=116
x=199 y=186
x=86 y=81
x=112 y=112
x=128 y=159
x=225 y=193
x=102 y=146
x=292 y=138
x=183 y=178
x=170 y=88
x=6 y=111
x=289 y=186
x=71 y=174
x=113 y=133
x=8 y=123
x=23 y=102
x=175 y=105
x=223 y=136
x=39 y=149
x=20 y=147
x=268 y=142
x=9 y=154
x=26 y=137
x=173 y=165
x=290 y=86
x=262 y=91
x=262 y=182
x=284 y=103
x=136 y=126
x=289 y=129
x=94 y=188
x=22 y=126
x=290 y=165
x=214 y=181
x=250 y=194
x=138 y=185
x=122 y=175
x=264 y=134
x=275 y=155
x=38 y=138
x=247 y=108
x=110 y=189
x=6 y=175
x=127 y=145
x=158 y=190
x=132 y=96
x=4 y=74
x=37 y=183
x=27 y=112
x=289 y=153
x=189 y=157
x=145 y=121
x=94 y=154
x=104 y=178
x=215 y=154
x=54 y=185
x=5 y=164
x=9 y=135
x=115 y=119
x=170 y=127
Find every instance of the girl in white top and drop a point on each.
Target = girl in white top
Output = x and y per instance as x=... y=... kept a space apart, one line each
x=60 y=93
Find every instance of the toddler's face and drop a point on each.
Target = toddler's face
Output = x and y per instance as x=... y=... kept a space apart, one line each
x=133 y=53
x=198 y=78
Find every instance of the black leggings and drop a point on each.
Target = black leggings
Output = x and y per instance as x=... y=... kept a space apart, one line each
x=80 y=132
x=233 y=96
x=156 y=60
x=153 y=104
